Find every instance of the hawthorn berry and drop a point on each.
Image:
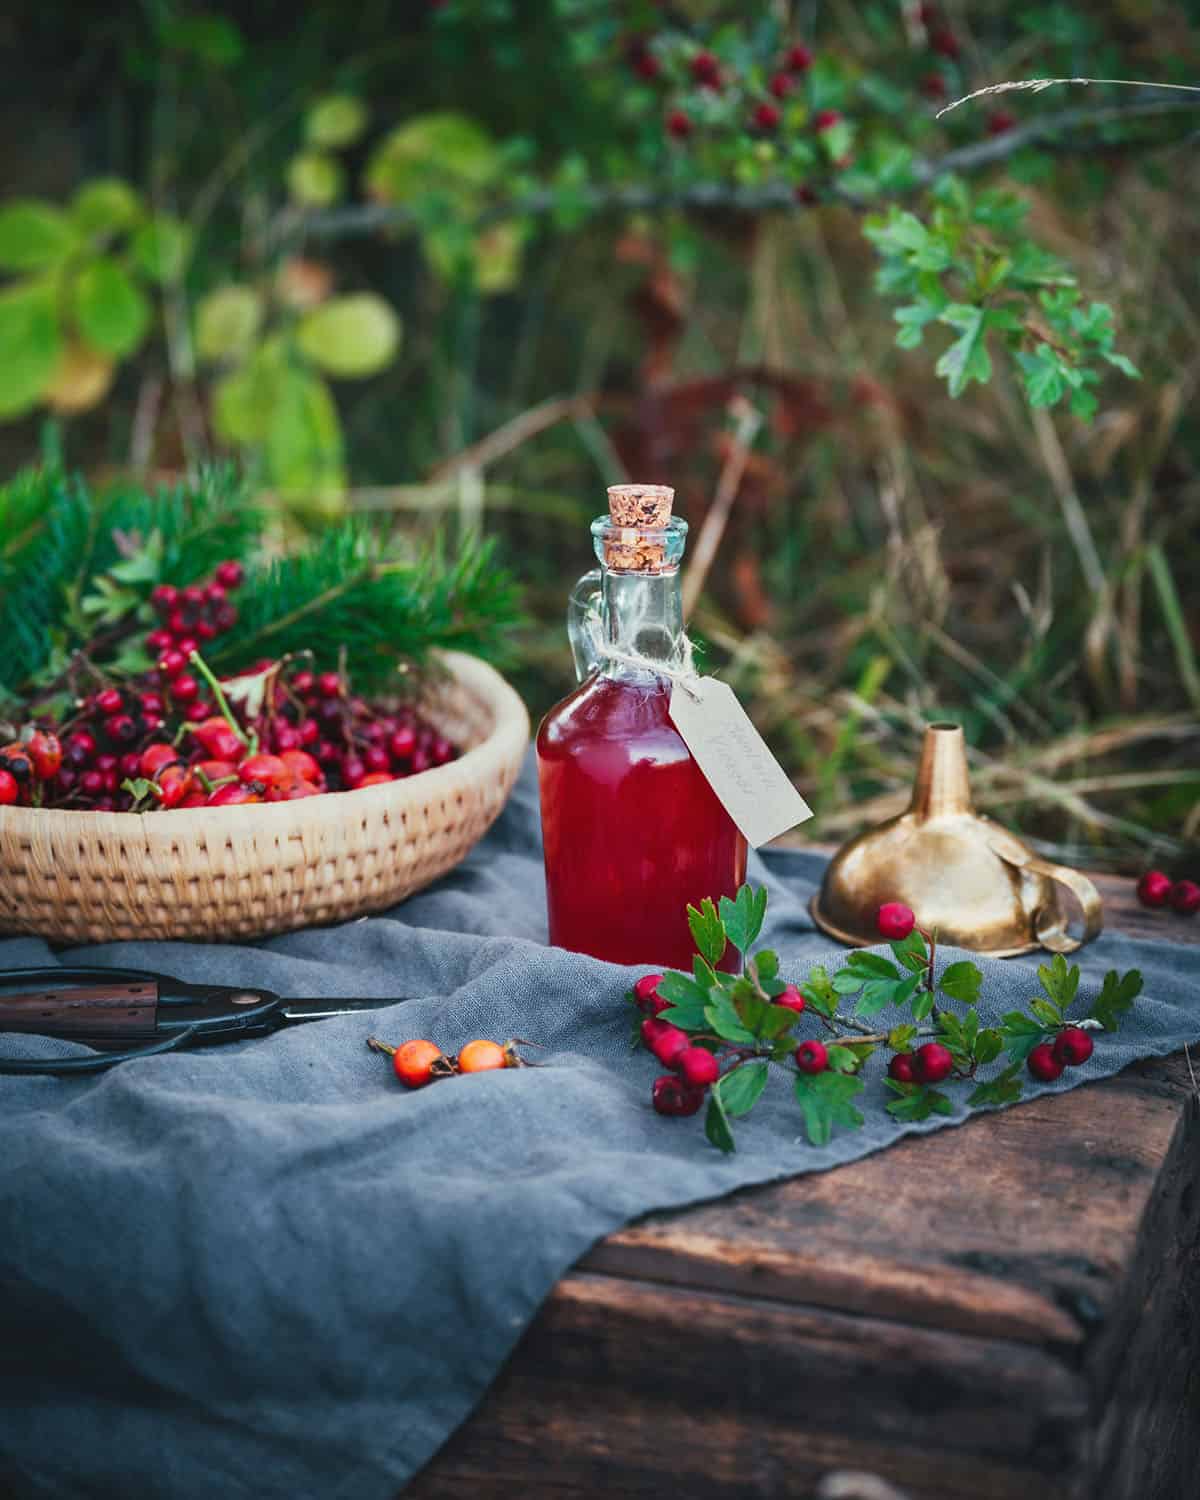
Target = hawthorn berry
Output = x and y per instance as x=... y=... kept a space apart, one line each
x=229 y=574
x=171 y=663
x=9 y=790
x=45 y=752
x=329 y=685
x=267 y=769
x=804 y=192
x=185 y=688
x=945 y=44
x=164 y=597
x=766 y=116
x=933 y=86
x=481 y=1057
x=781 y=85
x=679 y=124
x=894 y=921
x=1154 y=888
x=413 y=1063
x=706 y=70
x=670 y=1095
x=697 y=1067
x=1072 y=1046
x=645 y=992
x=1000 y=121
x=799 y=59
x=1185 y=897
x=811 y=1057
x=1043 y=1064
x=353 y=770
x=669 y=1042
x=791 y=999
x=901 y=1068
x=644 y=64
x=108 y=701
x=826 y=119
x=120 y=729
x=932 y=1063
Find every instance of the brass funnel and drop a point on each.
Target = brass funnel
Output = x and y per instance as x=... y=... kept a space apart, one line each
x=962 y=874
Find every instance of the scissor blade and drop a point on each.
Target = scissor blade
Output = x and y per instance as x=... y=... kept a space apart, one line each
x=320 y=1010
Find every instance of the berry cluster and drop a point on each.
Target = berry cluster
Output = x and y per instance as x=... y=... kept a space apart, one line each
x=419 y=1062
x=178 y=736
x=1157 y=889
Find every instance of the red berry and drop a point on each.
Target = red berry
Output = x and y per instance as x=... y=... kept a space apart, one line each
x=697 y=1067
x=799 y=59
x=374 y=778
x=185 y=688
x=151 y=703
x=268 y=769
x=164 y=598
x=196 y=713
x=1072 y=1046
x=83 y=741
x=945 y=43
x=186 y=644
x=285 y=737
x=766 y=117
x=45 y=752
x=1185 y=897
x=193 y=595
x=230 y=574
x=671 y=1096
x=303 y=682
x=91 y=783
x=225 y=618
x=664 y=1040
x=706 y=70
x=205 y=630
x=109 y=701
x=933 y=86
x=232 y=795
x=420 y=761
x=329 y=685
x=106 y=762
x=353 y=770
x=171 y=663
x=644 y=64
x=932 y=1063
x=805 y=193
x=375 y=758
x=826 y=119
x=1000 y=121
x=781 y=85
x=177 y=623
x=301 y=764
x=901 y=1068
x=121 y=729
x=1154 y=888
x=811 y=1057
x=402 y=743
x=1043 y=1064
x=151 y=722
x=894 y=921
x=155 y=758
x=9 y=790
x=791 y=998
x=214 y=593
x=645 y=992
x=63 y=782
x=679 y=124
x=130 y=763
x=309 y=731
x=160 y=640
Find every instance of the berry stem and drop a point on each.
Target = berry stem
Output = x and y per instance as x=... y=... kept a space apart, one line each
x=201 y=666
x=377 y=1046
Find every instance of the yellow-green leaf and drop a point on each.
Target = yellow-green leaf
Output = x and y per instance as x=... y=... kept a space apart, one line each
x=244 y=400
x=350 y=337
x=304 y=441
x=440 y=153
x=335 y=120
x=315 y=178
x=105 y=206
x=498 y=257
x=162 y=248
x=82 y=379
x=34 y=236
x=30 y=343
x=227 y=321
x=111 y=310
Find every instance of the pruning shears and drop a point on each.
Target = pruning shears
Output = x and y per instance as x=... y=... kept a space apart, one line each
x=129 y=1013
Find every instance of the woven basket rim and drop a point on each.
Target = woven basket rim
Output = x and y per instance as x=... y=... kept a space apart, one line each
x=510 y=729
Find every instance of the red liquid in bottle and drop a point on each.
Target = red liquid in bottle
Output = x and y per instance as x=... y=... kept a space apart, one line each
x=633 y=832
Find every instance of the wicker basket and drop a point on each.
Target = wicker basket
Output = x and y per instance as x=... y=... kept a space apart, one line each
x=227 y=872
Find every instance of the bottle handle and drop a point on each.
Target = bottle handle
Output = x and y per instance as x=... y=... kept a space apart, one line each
x=585 y=624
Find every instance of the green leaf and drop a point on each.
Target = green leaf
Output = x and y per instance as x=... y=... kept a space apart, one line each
x=227 y=321
x=350 y=337
x=34 y=236
x=961 y=981
x=878 y=994
x=708 y=931
x=988 y=1046
x=740 y=1089
x=900 y=1038
x=315 y=179
x=688 y=1001
x=724 y=1019
x=105 y=206
x=1060 y=981
x=111 y=310
x=716 y=1123
x=304 y=443
x=818 y=992
x=911 y=951
x=872 y=964
x=703 y=972
x=162 y=248
x=917 y=1101
x=1049 y=1015
x=766 y=965
x=30 y=343
x=1116 y=996
x=778 y=1020
x=967 y=358
x=922 y=1005
x=1042 y=372
x=743 y=916
x=211 y=39
x=1021 y=1035
x=1122 y=363
x=1005 y=1088
x=847 y=982
x=842 y=1059
x=336 y=120
x=446 y=156
x=824 y=1100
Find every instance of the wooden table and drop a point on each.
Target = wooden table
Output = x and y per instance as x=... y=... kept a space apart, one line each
x=1007 y=1309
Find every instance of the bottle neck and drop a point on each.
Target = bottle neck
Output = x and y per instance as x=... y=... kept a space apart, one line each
x=643 y=618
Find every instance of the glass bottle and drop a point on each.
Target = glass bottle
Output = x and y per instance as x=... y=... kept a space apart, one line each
x=632 y=830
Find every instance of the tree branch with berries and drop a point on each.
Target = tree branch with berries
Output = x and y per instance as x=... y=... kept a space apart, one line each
x=723 y=1036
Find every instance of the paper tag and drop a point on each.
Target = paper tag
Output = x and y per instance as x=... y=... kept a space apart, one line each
x=749 y=782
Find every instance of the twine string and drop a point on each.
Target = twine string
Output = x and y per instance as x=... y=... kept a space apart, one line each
x=683 y=674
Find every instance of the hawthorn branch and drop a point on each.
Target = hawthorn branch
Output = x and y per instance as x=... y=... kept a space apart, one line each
x=700 y=197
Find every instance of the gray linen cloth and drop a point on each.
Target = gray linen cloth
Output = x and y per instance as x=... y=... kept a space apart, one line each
x=267 y=1270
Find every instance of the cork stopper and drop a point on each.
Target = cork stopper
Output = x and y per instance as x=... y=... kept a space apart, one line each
x=636 y=509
